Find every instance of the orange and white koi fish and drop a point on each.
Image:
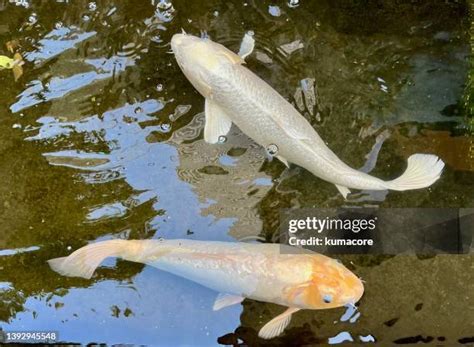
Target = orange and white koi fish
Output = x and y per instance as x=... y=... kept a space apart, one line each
x=265 y=272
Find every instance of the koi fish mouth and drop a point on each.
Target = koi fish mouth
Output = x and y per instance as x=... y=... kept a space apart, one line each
x=184 y=50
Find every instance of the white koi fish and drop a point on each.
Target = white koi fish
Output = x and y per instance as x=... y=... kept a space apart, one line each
x=264 y=272
x=234 y=94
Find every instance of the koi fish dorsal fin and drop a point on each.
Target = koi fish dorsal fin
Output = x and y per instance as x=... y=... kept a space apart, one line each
x=217 y=124
x=224 y=300
x=276 y=326
x=236 y=59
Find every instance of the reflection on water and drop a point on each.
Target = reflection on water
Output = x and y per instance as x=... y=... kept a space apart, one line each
x=102 y=138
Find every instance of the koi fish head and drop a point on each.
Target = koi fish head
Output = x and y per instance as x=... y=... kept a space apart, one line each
x=200 y=59
x=331 y=285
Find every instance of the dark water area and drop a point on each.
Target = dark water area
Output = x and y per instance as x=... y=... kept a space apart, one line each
x=101 y=137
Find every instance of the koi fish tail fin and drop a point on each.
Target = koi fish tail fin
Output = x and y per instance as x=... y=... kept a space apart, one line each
x=84 y=261
x=422 y=171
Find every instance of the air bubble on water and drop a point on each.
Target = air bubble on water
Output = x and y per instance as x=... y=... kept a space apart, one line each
x=165 y=127
x=23 y=3
x=216 y=13
x=33 y=18
x=159 y=87
x=156 y=39
x=251 y=32
x=164 y=4
x=58 y=25
x=138 y=110
x=86 y=18
x=272 y=150
x=92 y=6
x=68 y=248
x=293 y=3
x=222 y=139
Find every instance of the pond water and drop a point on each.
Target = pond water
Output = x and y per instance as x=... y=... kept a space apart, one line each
x=101 y=137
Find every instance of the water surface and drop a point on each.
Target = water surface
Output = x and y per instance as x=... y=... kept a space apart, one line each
x=102 y=138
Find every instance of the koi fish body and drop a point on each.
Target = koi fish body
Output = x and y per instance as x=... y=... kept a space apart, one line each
x=264 y=272
x=234 y=94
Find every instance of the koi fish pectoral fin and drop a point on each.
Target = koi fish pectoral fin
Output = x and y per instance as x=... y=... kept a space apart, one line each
x=217 y=124
x=247 y=45
x=224 y=300
x=343 y=190
x=276 y=326
x=374 y=152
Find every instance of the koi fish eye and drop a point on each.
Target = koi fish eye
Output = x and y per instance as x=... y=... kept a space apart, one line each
x=272 y=150
x=327 y=298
